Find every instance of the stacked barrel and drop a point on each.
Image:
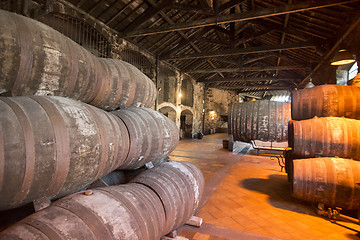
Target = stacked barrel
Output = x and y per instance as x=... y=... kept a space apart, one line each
x=157 y=201
x=51 y=146
x=325 y=145
x=259 y=120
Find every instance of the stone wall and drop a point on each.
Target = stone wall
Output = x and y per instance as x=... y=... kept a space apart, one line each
x=216 y=109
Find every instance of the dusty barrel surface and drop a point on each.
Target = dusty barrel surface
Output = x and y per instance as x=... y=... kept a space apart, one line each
x=124 y=212
x=326 y=101
x=179 y=185
x=37 y=60
x=53 y=146
x=332 y=181
x=327 y=137
x=259 y=120
x=152 y=135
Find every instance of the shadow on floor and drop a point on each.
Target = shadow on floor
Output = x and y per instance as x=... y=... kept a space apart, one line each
x=278 y=189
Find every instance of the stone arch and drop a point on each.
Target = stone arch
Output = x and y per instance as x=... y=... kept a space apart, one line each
x=186 y=123
x=168 y=110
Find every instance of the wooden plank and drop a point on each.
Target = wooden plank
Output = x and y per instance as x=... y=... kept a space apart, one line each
x=229 y=4
x=230 y=52
x=256 y=88
x=247 y=69
x=239 y=17
x=246 y=79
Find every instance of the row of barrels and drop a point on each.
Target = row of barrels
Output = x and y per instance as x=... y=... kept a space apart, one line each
x=323 y=164
x=259 y=120
x=38 y=60
x=157 y=201
x=54 y=146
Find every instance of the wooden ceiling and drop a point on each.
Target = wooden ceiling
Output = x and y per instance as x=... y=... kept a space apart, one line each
x=250 y=46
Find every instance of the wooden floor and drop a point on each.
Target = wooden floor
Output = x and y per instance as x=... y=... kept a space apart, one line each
x=248 y=197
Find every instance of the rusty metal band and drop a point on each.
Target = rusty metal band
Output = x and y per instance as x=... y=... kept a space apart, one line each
x=116 y=142
x=62 y=140
x=159 y=128
x=135 y=139
x=132 y=86
x=146 y=84
x=26 y=54
x=88 y=217
x=98 y=88
x=146 y=136
x=152 y=94
x=120 y=81
x=74 y=68
x=152 y=230
x=29 y=150
x=87 y=78
x=163 y=194
x=101 y=82
x=110 y=84
x=179 y=215
x=131 y=208
x=104 y=151
x=125 y=141
x=44 y=228
x=189 y=190
x=156 y=205
x=2 y=159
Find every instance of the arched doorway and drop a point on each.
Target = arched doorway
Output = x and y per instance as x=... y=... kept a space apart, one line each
x=186 y=124
x=168 y=111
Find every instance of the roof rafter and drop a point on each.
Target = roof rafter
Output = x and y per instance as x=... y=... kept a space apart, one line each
x=230 y=52
x=238 y=17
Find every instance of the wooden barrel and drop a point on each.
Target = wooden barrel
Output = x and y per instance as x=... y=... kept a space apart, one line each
x=179 y=185
x=124 y=212
x=326 y=101
x=53 y=146
x=332 y=181
x=327 y=137
x=152 y=136
x=52 y=64
x=259 y=120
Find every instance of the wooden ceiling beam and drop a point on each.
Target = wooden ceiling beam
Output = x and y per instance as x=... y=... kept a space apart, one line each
x=246 y=79
x=230 y=52
x=239 y=17
x=228 y=5
x=146 y=16
x=248 y=69
x=253 y=37
x=264 y=90
x=256 y=88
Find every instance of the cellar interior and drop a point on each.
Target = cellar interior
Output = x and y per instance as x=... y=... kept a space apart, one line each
x=179 y=119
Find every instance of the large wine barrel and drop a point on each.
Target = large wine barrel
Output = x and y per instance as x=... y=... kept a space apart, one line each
x=124 y=212
x=326 y=101
x=152 y=135
x=259 y=120
x=327 y=137
x=159 y=200
x=332 y=181
x=37 y=60
x=179 y=185
x=53 y=146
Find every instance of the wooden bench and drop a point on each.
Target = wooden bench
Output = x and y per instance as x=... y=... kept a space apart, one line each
x=280 y=156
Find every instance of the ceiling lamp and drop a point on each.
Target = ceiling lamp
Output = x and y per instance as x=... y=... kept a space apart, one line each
x=342 y=57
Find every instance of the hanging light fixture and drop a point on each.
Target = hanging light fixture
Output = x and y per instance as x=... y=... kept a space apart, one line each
x=342 y=57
